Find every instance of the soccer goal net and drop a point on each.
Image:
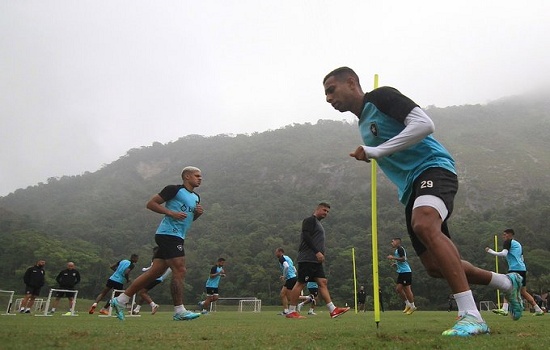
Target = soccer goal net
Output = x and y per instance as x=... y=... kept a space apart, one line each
x=6 y=302
x=486 y=305
x=240 y=304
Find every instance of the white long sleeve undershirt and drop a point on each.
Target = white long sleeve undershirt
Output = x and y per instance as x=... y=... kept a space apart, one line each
x=502 y=253
x=418 y=125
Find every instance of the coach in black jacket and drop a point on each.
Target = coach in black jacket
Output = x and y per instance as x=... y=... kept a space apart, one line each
x=34 y=281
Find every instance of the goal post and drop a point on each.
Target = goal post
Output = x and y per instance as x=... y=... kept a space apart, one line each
x=239 y=304
x=49 y=301
x=487 y=305
x=11 y=293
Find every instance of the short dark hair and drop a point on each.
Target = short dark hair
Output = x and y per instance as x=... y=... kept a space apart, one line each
x=323 y=204
x=342 y=73
x=221 y=259
x=510 y=231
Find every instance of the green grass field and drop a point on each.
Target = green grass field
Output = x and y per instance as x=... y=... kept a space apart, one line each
x=266 y=330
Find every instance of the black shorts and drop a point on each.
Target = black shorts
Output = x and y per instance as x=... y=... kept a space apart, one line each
x=313 y=291
x=211 y=291
x=169 y=247
x=442 y=184
x=405 y=278
x=32 y=290
x=114 y=285
x=289 y=283
x=310 y=271
x=152 y=284
x=64 y=294
x=522 y=274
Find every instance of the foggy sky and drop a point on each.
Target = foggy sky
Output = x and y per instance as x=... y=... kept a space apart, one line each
x=82 y=82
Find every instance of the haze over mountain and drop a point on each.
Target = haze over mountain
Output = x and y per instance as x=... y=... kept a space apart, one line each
x=257 y=188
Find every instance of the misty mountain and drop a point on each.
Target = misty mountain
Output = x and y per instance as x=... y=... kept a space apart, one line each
x=257 y=188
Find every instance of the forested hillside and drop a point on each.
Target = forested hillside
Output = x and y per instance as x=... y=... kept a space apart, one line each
x=257 y=189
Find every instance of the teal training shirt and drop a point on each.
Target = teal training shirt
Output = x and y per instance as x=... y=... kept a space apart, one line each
x=214 y=282
x=118 y=275
x=382 y=118
x=291 y=271
x=401 y=266
x=178 y=198
x=514 y=256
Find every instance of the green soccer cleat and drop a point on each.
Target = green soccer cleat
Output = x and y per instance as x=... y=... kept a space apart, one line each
x=500 y=312
x=118 y=309
x=186 y=316
x=466 y=326
x=514 y=296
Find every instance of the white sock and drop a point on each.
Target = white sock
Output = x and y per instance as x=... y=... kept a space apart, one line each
x=407 y=303
x=331 y=306
x=505 y=306
x=500 y=281
x=467 y=305
x=412 y=305
x=179 y=309
x=123 y=299
x=152 y=304
x=137 y=308
x=537 y=308
x=291 y=308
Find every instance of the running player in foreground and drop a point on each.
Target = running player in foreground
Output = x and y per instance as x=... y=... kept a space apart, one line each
x=397 y=133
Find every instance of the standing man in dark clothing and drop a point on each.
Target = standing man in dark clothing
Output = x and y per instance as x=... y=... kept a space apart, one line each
x=67 y=279
x=34 y=281
x=311 y=256
x=361 y=298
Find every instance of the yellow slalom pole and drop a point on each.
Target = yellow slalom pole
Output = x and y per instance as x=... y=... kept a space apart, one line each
x=374 y=219
x=354 y=277
x=496 y=270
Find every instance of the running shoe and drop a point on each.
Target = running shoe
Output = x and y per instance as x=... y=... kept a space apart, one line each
x=339 y=311
x=500 y=312
x=407 y=308
x=118 y=309
x=311 y=312
x=538 y=313
x=154 y=309
x=204 y=312
x=92 y=309
x=294 y=314
x=466 y=326
x=185 y=316
x=514 y=296
x=411 y=310
x=103 y=312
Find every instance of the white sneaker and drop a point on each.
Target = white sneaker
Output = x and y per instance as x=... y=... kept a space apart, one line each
x=311 y=312
x=154 y=309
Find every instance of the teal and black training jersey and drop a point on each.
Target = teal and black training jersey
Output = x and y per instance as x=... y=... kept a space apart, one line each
x=514 y=256
x=382 y=118
x=291 y=271
x=401 y=266
x=118 y=275
x=214 y=282
x=178 y=198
